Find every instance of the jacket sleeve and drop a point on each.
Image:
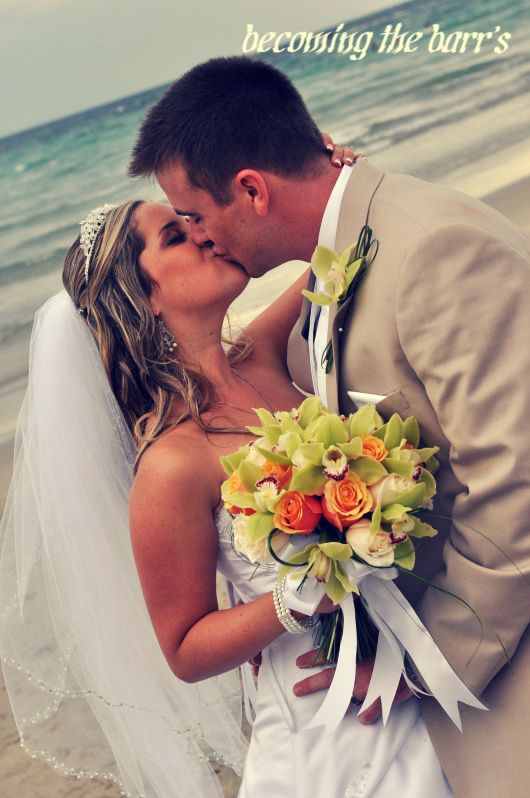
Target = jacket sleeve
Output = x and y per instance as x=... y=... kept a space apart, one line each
x=463 y=319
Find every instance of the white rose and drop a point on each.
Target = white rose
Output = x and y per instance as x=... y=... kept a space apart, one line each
x=375 y=548
x=257 y=553
x=384 y=491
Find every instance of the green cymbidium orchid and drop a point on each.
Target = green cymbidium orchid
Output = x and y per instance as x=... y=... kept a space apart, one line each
x=335 y=463
x=365 y=420
x=267 y=495
x=337 y=272
x=322 y=561
x=402 y=523
x=231 y=462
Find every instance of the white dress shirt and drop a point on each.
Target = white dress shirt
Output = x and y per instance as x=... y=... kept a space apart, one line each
x=319 y=317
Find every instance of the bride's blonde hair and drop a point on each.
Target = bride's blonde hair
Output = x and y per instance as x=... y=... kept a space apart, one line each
x=145 y=379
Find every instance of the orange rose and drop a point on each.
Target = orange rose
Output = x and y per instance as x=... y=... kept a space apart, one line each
x=373 y=447
x=282 y=473
x=297 y=514
x=346 y=501
x=236 y=486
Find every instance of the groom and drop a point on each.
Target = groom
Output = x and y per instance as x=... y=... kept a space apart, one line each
x=439 y=328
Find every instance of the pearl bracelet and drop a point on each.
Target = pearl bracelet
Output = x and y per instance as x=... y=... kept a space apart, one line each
x=284 y=614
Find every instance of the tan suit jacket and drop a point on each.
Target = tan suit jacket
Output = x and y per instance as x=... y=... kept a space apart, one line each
x=440 y=325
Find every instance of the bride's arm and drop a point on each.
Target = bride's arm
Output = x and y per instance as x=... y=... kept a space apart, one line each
x=175 y=547
x=271 y=329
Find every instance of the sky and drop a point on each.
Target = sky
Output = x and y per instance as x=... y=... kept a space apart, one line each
x=58 y=57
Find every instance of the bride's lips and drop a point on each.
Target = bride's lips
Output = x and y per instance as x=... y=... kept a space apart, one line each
x=226 y=259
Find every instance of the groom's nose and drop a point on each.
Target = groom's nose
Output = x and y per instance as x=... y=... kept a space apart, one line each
x=199 y=236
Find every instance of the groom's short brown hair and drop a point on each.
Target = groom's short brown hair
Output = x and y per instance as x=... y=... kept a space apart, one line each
x=225 y=115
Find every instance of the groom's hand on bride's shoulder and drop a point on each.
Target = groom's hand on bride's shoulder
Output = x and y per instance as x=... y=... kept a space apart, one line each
x=363 y=674
x=340 y=155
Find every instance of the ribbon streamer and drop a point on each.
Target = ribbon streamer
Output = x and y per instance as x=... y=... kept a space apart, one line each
x=400 y=631
x=250 y=693
x=393 y=615
x=337 y=700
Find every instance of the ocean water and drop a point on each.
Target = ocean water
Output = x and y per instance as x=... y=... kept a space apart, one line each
x=421 y=113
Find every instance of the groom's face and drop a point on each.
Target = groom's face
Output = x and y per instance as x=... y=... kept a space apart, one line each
x=231 y=230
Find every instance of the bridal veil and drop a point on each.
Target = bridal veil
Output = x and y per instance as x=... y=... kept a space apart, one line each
x=90 y=690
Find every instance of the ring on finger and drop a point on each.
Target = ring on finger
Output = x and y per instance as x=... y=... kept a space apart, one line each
x=356 y=702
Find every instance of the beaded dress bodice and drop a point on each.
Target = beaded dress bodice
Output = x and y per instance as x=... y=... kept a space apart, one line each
x=248 y=579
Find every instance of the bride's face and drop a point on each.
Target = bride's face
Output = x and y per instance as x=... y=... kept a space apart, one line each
x=189 y=277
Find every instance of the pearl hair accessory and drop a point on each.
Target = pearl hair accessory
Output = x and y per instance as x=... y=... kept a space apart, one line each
x=90 y=228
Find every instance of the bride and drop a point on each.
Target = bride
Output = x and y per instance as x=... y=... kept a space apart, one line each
x=133 y=396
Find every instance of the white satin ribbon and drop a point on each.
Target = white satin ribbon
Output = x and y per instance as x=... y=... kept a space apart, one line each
x=250 y=693
x=400 y=631
x=395 y=618
x=303 y=599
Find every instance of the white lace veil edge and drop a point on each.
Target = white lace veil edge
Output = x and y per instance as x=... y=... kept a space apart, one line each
x=90 y=690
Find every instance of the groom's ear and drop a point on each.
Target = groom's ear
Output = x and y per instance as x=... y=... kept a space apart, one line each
x=250 y=186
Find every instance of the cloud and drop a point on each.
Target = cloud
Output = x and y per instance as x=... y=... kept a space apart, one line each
x=31 y=5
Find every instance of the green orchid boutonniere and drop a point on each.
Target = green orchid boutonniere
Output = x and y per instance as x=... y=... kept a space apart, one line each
x=340 y=273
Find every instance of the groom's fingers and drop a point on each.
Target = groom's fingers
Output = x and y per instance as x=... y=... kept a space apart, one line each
x=323 y=679
x=373 y=712
x=310 y=659
x=318 y=681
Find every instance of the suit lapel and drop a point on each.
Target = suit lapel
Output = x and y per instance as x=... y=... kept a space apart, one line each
x=332 y=377
x=305 y=312
x=354 y=213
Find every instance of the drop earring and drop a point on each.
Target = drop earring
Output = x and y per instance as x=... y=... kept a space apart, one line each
x=169 y=341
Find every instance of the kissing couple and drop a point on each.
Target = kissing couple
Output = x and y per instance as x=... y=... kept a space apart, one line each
x=118 y=661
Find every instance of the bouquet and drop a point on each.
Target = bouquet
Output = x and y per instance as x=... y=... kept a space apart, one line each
x=339 y=503
x=351 y=488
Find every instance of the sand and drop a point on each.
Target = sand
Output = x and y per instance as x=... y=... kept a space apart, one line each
x=508 y=190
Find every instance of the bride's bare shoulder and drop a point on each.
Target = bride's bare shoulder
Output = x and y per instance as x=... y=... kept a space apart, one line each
x=178 y=461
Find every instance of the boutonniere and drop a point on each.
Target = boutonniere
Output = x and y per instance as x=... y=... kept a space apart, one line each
x=341 y=275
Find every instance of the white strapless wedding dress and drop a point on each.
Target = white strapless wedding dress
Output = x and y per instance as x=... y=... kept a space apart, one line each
x=381 y=761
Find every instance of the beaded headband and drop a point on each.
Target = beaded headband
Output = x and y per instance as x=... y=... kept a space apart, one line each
x=90 y=228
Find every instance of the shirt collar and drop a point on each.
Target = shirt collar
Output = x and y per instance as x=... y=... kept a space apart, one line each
x=330 y=219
